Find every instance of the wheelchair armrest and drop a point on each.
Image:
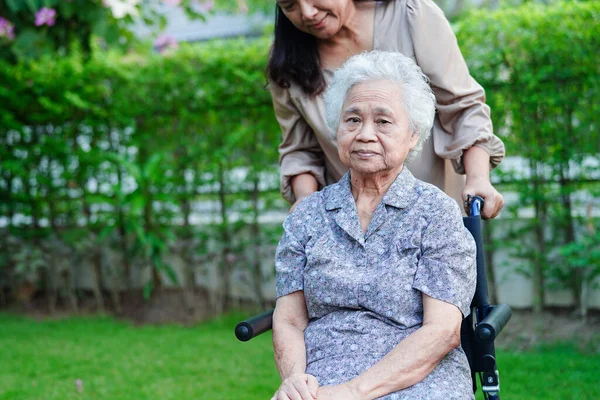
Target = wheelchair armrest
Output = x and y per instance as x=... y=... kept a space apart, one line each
x=491 y=326
x=252 y=327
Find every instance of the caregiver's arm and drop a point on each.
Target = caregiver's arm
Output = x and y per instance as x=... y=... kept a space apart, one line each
x=299 y=151
x=290 y=319
x=303 y=185
x=411 y=360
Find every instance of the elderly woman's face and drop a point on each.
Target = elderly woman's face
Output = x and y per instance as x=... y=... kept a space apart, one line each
x=320 y=18
x=374 y=134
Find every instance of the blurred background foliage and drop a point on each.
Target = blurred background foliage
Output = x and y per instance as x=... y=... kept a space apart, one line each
x=110 y=148
x=34 y=28
x=540 y=65
x=114 y=150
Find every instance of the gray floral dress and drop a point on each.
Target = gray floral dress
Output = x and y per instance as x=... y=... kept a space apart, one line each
x=363 y=292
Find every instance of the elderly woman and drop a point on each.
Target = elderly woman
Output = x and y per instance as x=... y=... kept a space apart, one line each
x=376 y=272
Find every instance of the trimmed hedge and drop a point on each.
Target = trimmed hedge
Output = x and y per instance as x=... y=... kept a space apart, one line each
x=116 y=149
x=120 y=147
x=540 y=67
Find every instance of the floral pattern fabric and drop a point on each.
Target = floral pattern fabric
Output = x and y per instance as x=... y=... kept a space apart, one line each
x=363 y=292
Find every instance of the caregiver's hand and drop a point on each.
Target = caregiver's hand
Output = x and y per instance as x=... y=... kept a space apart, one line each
x=477 y=169
x=492 y=200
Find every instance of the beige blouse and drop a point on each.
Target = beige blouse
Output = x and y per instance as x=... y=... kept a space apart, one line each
x=417 y=29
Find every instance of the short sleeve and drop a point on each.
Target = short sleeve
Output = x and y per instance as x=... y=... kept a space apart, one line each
x=299 y=151
x=447 y=269
x=290 y=256
x=290 y=260
x=463 y=116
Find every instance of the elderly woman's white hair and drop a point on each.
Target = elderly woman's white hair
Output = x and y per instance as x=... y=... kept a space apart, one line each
x=418 y=99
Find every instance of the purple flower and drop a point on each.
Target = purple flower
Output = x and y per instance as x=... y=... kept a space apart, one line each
x=164 y=42
x=7 y=29
x=122 y=8
x=243 y=7
x=207 y=5
x=45 y=16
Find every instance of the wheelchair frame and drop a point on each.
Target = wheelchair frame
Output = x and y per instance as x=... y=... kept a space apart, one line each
x=478 y=331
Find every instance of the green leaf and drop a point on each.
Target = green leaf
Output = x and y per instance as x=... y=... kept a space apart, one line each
x=33 y=5
x=105 y=233
x=131 y=168
x=14 y=5
x=75 y=100
x=67 y=9
x=171 y=273
x=148 y=289
x=32 y=44
x=152 y=165
x=107 y=30
x=138 y=202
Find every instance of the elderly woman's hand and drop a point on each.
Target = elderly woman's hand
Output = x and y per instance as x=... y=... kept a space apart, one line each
x=337 y=392
x=297 y=387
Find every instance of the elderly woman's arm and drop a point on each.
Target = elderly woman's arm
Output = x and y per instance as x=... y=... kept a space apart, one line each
x=290 y=318
x=410 y=361
x=289 y=321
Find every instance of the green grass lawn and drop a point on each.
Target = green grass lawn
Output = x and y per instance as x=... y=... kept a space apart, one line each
x=114 y=360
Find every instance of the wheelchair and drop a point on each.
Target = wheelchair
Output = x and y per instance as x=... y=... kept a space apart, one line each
x=478 y=331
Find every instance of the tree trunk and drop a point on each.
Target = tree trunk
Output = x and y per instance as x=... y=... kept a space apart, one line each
x=69 y=278
x=189 y=278
x=156 y=277
x=54 y=272
x=226 y=254
x=121 y=228
x=3 y=285
x=97 y=289
x=96 y=258
x=568 y=224
x=539 y=260
x=583 y=302
x=45 y=274
x=10 y=201
x=124 y=251
x=52 y=283
x=8 y=180
x=257 y=242
x=157 y=282
x=583 y=308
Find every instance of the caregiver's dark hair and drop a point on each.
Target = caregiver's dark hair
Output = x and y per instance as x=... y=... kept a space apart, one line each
x=295 y=57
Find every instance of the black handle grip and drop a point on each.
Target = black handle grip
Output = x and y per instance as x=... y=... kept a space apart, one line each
x=252 y=327
x=480 y=299
x=474 y=205
x=491 y=326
